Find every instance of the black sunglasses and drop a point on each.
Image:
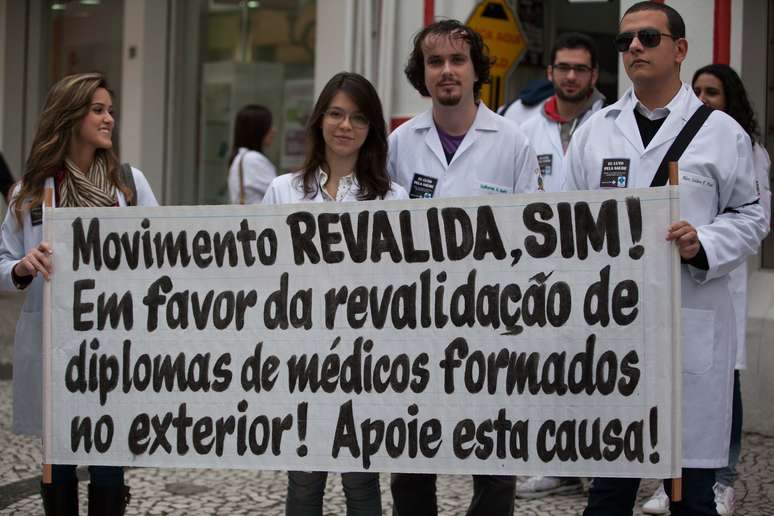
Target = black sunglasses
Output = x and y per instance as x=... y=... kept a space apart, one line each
x=650 y=38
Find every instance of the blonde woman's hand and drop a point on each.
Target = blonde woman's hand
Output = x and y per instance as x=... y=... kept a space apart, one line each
x=37 y=260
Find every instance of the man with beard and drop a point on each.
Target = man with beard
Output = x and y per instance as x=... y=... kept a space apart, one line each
x=573 y=72
x=458 y=148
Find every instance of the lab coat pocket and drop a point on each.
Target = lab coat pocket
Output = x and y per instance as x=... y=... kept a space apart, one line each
x=698 y=198
x=698 y=340
x=27 y=374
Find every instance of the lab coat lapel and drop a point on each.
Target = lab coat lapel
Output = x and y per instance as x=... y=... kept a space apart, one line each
x=626 y=123
x=679 y=113
x=433 y=141
x=482 y=122
x=553 y=130
x=470 y=138
x=425 y=124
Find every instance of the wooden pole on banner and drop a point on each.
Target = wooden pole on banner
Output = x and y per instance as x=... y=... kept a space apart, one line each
x=48 y=202
x=677 y=483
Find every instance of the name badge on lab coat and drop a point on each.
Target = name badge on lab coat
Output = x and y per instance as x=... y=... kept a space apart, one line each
x=36 y=216
x=546 y=161
x=615 y=173
x=422 y=187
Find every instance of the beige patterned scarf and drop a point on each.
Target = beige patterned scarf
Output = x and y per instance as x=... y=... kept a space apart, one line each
x=86 y=190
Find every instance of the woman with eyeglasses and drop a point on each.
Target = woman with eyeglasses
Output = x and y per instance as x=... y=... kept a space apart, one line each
x=72 y=152
x=721 y=88
x=346 y=161
x=250 y=171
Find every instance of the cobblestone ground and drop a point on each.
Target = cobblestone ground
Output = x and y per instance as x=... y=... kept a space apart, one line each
x=235 y=492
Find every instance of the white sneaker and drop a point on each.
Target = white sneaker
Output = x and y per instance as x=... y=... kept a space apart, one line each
x=725 y=499
x=658 y=503
x=538 y=487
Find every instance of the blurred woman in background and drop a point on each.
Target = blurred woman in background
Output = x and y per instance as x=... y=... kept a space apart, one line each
x=250 y=171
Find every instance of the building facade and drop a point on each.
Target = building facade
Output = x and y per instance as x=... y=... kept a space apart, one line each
x=181 y=69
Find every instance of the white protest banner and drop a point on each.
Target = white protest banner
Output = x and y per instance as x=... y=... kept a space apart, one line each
x=506 y=334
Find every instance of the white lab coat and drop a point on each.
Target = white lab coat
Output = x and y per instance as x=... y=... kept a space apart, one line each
x=543 y=134
x=289 y=189
x=721 y=155
x=257 y=172
x=520 y=114
x=738 y=277
x=494 y=157
x=15 y=242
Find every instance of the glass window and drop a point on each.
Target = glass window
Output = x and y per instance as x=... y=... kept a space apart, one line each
x=85 y=36
x=255 y=52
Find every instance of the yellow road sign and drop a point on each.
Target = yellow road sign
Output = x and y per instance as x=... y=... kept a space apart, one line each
x=499 y=28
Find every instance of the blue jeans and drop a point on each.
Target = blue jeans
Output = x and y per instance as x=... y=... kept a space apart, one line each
x=727 y=476
x=100 y=476
x=306 y=489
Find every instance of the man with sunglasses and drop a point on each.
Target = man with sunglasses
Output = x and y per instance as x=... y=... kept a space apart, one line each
x=573 y=72
x=628 y=145
x=458 y=148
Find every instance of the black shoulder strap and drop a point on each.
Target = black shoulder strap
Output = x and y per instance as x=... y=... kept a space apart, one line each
x=127 y=178
x=681 y=143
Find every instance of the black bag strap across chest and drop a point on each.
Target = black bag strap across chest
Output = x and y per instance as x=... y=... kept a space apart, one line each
x=681 y=143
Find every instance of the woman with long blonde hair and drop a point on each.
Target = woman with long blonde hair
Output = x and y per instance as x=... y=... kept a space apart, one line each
x=73 y=152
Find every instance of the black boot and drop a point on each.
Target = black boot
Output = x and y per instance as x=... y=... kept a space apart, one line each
x=60 y=499
x=108 y=501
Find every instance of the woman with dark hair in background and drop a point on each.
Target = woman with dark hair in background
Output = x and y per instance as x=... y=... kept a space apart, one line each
x=73 y=153
x=346 y=161
x=250 y=171
x=719 y=87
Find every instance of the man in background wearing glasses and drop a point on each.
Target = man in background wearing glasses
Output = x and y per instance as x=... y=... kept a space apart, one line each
x=573 y=71
x=625 y=146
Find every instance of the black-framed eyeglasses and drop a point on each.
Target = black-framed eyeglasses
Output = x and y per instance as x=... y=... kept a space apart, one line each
x=336 y=116
x=650 y=38
x=565 y=68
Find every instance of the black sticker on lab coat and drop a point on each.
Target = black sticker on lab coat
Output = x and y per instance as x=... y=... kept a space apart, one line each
x=615 y=173
x=422 y=187
x=36 y=214
x=546 y=161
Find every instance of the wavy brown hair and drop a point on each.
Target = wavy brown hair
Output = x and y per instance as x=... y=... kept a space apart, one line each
x=67 y=103
x=371 y=166
x=452 y=29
